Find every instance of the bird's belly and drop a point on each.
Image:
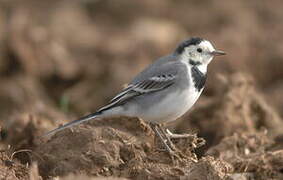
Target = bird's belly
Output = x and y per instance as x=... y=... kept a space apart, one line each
x=171 y=107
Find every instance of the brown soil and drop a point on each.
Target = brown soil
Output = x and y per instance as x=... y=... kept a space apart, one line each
x=10 y=168
x=238 y=108
x=62 y=59
x=127 y=147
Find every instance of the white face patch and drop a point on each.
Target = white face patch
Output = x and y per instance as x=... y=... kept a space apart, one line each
x=207 y=46
x=200 y=53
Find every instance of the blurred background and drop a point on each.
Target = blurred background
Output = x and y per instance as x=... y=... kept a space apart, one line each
x=63 y=59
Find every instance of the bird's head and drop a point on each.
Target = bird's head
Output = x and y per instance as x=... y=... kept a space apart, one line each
x=197 y=51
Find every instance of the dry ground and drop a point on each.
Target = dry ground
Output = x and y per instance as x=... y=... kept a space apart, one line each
x=61 y=59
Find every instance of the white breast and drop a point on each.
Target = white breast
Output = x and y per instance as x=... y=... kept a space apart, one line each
x=180 y=103
x=173 y=106
x=184 y=101
x=167 y=109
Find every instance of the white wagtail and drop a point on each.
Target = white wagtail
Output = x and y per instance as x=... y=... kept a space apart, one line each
x=164 y=91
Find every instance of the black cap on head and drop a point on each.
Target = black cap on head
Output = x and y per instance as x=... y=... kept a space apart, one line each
x=192 y=41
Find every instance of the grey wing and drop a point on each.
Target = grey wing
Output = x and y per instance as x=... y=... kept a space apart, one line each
x=155 y=83
x=158 y=76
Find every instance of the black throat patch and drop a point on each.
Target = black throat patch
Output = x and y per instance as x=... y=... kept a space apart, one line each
x=198 y=77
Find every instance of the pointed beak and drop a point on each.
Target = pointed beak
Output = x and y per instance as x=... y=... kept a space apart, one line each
x=218 y=53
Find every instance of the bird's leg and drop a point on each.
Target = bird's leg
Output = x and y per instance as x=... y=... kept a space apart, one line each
x=171 y=149
x=176 y=153
x=160 y=135
x=168 y=140
x=171 y=135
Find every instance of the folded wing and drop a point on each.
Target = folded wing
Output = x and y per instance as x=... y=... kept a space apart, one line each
x=152 y=84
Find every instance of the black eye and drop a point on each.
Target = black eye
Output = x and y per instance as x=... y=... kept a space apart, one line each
x=199 y=50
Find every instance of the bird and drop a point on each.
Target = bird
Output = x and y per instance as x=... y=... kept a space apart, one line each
x=163 y=91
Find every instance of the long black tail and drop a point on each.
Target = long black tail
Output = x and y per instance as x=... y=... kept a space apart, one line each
x=75 y=122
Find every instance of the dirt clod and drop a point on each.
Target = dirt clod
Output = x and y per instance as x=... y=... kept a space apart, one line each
x=11 y=169
x=250 y=153
x=111 y=147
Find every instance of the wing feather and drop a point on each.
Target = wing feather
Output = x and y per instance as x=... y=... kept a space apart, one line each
x=155 y=83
